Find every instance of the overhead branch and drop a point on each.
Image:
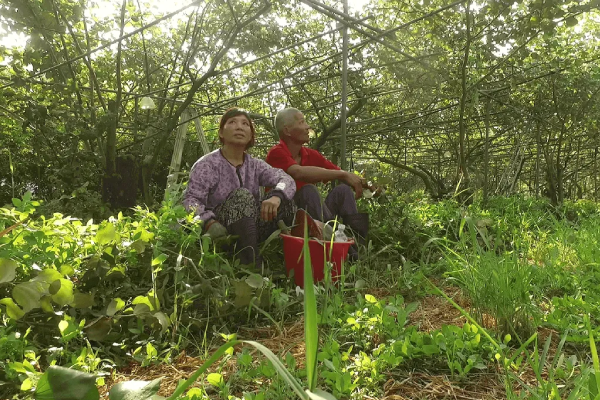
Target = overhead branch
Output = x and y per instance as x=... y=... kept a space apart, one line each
x=106 y=45
x=338 y=123
x=95 y=84
x=174 y=119
x=429 y=185
x=353 y=23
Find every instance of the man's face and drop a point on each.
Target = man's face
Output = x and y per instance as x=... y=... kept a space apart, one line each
x=298 y=130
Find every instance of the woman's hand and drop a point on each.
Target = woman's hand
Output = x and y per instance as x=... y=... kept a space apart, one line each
x=269 y=207
x=215 y=230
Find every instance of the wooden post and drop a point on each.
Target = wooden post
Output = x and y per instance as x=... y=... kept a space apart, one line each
x=200 y=132
x=177 y=152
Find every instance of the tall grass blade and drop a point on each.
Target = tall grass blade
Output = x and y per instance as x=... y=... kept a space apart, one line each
x=281 y=370
x=579 y=384
x=311 y=333
x=285 y=374
x=319 y=394
x=194 y=377
x=594 y=389
x=465 y=314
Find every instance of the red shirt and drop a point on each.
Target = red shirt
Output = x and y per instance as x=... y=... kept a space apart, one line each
x=280 y=157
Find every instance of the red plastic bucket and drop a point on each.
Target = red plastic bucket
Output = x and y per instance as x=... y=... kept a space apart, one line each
x=319 y=252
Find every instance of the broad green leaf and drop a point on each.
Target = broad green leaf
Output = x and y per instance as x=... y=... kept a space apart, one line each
x=139 y=246
x=54 y=287
x=142 y=310
x=43 y=391
x=64 y=295
x=46 y=304
x=163 y=320
x=106 y=235
x=143 y=300
x=134 y=390
x=63 y=325
x=154 y=301
x=22 y=368
x=49 y=275
x=66 y=269
x=159 y=260
x=68 y=330
x=114 y=306
x=144 y=235
x=311 y=329
x=243 y=293
x=8 y=270
x=59 y=383
x=151 y=350
x=28 y=294
x=83 y=300
x=430 y=349
x=411 y=307
x=116 y=272
x=26 y=385
x=360 y=284
x=215 y=379
x=255 y=281
x=370 y=298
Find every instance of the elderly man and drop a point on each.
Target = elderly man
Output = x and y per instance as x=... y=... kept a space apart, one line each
x=308 y=166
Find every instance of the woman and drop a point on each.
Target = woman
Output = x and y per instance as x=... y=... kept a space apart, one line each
x=224 y=189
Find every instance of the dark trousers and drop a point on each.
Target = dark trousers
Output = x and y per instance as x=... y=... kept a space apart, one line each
x=241 y=204
x=240 y=214
x=339 y=202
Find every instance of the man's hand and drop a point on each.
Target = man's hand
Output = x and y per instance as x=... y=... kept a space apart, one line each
x=269 y=207
x=356 y=182
x=216 y=230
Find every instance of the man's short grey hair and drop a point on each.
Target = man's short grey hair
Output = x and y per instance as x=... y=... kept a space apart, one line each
x=285 y=117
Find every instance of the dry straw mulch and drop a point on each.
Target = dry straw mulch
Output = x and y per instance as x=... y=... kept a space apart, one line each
x=291 y=339
x=421 y=385
x=433 y=312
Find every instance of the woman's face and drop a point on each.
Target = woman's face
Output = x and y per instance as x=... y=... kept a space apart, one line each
x=236 y=131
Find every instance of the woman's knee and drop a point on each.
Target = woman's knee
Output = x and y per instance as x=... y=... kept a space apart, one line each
x=241 y=194
x=239 y=204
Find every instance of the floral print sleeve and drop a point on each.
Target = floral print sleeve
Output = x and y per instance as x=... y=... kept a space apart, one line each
x=276 y=179
x=201 y=181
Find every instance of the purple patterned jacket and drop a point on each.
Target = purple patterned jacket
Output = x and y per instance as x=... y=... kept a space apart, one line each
x=213 y=178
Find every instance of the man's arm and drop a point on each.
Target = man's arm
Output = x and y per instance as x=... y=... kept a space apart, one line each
x=314 y=174
x=317 y=174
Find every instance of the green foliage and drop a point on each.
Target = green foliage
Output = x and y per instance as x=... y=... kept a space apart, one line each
x=64 y=383
x=126 y=289
x=133 y=390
